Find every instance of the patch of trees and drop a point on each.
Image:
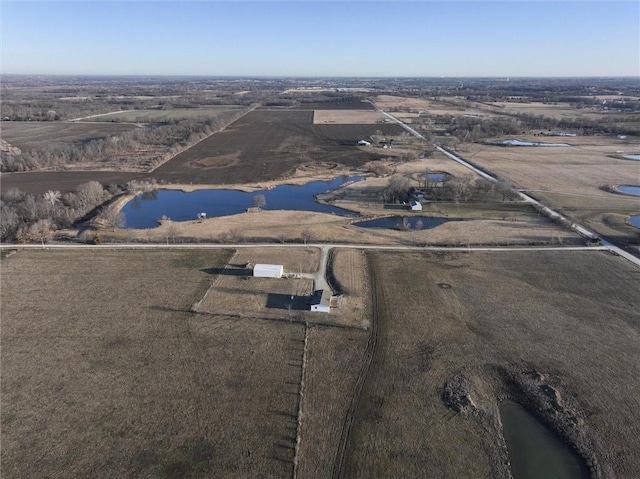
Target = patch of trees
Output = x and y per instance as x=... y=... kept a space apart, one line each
x=167 y=139
x=27 y=217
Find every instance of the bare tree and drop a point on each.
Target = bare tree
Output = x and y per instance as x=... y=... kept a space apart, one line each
x=396 y=188
x=306 y=235
x=112 y=218
x=51 y=198
x=259 y=201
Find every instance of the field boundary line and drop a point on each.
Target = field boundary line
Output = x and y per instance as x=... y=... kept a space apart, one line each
x=198 y=142
x=300 y=400
x=341 y=451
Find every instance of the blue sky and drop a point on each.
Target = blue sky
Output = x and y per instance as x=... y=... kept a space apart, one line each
x=328 y=38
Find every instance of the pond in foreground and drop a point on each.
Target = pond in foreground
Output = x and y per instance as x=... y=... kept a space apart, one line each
x=629 y=189
x=402 y=222
x=144 y=210
x=534 y=451
x=634 y=221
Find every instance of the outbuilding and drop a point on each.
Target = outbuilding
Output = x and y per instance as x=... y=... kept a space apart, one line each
x=321 y=301
x=415 y=205
x=268 y=270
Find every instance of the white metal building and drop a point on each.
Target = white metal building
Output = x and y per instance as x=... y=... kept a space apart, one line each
x=321 y=301
x=268 y=270
x=415 y=205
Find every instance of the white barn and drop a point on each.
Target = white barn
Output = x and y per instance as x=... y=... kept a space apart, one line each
x=268 y=270
x=415 y=205
x=321 y=301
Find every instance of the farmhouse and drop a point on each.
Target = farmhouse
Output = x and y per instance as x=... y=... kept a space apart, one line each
x=415 y=205
x=321 y=301
x=268 y=270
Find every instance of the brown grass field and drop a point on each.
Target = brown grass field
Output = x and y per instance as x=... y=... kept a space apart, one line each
x=105 y=374
x=99 y=350
x=494 y=326
x=573 y=179
x=28 y=135
x=472 y=225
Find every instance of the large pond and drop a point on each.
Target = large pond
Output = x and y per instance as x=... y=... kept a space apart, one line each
x=534 y=451
x=632 y=157
x=402 y=222
x=529 y=143
x=634 y=221
x=144 y=210
x=629 y=189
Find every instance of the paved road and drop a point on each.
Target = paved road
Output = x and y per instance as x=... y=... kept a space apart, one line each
x=549 y=212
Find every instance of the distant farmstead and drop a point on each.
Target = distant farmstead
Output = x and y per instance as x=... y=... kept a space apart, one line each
x=268 y=270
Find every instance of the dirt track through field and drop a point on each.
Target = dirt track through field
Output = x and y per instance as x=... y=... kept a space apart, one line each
x=372 y=342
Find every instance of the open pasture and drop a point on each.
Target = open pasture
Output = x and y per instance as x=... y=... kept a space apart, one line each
x=266 y=145
x=557 y=111
x=29 y=135
x=493 y=326
x=574 y=179
x=106 y=373
x=161 y=116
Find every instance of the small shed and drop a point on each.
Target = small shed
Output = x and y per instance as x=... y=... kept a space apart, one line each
x=415 y=205
x=268 y=270
x=321 y=301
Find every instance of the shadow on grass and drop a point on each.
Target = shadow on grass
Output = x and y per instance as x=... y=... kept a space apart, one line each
x=229 y=271
x=289 y=302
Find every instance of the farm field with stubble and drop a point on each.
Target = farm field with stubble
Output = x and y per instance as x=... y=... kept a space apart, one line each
x=456 y=333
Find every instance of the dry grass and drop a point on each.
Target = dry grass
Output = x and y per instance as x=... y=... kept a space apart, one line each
x=28 y=135
x=479 y=225
x=346 y=117
x=570 y=178
x=481 y=320
x=298 y=260
x=558 y=112
x=104 y=374
x=350 y=275
x=333 y=360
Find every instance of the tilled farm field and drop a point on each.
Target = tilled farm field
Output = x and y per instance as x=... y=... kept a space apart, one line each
x=261 y=146
x=269 y=144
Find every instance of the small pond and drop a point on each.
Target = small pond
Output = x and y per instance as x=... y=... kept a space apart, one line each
x=144 y=210
x=629 y=189
x=530 y=143
x=632 y=157
x=534 y=450
x=396 y=222
x=436 y=177
x=634 y=221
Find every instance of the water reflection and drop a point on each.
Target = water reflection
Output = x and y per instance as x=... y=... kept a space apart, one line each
x=144 y=210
